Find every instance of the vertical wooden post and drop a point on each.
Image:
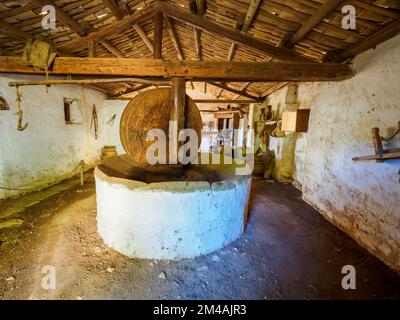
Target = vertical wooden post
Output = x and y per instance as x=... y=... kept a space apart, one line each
x=177 y=118
x=377 y=142
x=178 y=111
x=158 y=34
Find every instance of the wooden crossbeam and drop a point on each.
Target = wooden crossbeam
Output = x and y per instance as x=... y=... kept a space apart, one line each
x=223 y=101
x=113 y=28
x=371 y=42
x=132 y=90
x=207 y=25
x=192 y=70
x=110 y=4
x=229 y=89
x=314 y=20
x=17 y=11
x=158 y=35
x=14 y=32
x=174 y=37
x=63 y=17
x=193 y=6
x=143 y=36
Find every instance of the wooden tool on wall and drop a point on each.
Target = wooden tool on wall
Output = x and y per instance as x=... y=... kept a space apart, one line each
x=380 y=153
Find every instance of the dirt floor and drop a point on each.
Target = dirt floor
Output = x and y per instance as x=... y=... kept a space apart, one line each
x=288 y=251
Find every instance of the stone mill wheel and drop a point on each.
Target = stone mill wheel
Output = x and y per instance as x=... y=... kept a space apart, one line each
x=151 y=110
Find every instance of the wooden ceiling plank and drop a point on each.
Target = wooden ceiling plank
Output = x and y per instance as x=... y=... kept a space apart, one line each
x=372 y=41
x=113 y=28
x=143 y=36
x=323 y=11
x=63 y=17
x=110 y=4
x=205 y=24
x=17 y=11
x=174 y=37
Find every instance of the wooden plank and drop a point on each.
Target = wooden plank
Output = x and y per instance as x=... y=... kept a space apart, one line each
x=200 y=101
x=207 y=25
x=371 y=42
x=178 y=110
x=132 y=90
x=14 y=32
x=63 y=17
x=377 y=157
x=201 y=71
x=314 y=20
x=158 y=35
x=113 y=28
x=120 y=15
x=144 y=37
x=17 y=11
x=90 y=81
x=241 y=93
x=174 y=37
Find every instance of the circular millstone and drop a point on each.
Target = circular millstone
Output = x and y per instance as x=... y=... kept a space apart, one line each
x=151 y=110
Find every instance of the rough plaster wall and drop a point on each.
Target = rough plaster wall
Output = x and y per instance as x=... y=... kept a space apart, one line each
x=111 y=133
x=48 y=148
x=362 y=198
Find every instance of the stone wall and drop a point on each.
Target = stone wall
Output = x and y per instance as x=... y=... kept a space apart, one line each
x=49 y=148
x=362 y=198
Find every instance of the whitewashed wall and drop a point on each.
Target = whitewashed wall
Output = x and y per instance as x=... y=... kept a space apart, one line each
x=48 y=148
x=362 y=198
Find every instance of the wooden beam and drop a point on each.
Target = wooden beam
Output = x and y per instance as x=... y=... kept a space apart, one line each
x=242 y=93
x=144 y=37
x=132 y=90
x=17 y=11
x=244 y=27
x=110 y=4
x=113 y=28
x=179 y=96
x=14 y=32
x=192 y=70
x=205 y=24
x=89 y=81
x=242 y=88
x=113 y=49
x=200 y=101
x=196 y=32
x=371 y=42
x=158 y=35
x=327 y=8
x=92 y=49
x=63 y=17
x=174 y=37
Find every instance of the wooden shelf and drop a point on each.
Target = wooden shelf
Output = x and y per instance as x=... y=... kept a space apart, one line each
x=384 y=156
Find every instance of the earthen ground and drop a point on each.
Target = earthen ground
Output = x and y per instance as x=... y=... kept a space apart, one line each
x=287 y=252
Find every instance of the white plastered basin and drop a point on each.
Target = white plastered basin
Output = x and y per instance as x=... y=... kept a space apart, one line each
x=169 y=219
